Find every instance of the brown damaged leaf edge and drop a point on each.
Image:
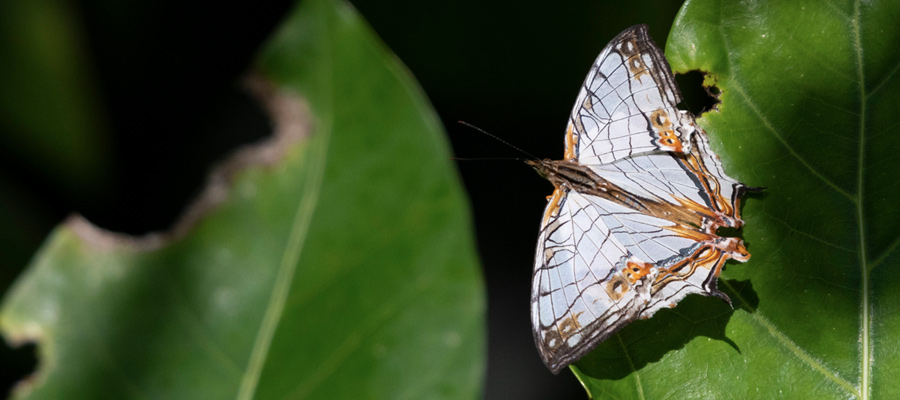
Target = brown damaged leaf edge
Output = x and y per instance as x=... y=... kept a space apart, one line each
x=290 y=117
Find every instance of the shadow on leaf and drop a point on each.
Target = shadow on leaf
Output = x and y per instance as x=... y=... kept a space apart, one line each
x=647 y=341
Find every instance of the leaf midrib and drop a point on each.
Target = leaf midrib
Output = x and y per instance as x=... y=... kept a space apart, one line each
x=863 y=390
x=285 y=275
x=317 y=153
x=860 y=211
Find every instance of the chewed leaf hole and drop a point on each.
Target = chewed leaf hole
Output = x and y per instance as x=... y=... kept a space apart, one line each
x=698 y=98
x=18 y=364
x=728 y=232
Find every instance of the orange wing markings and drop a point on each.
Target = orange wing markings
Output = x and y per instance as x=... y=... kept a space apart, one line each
x=711 y=256
x=706 y=233
x=633 y=60
x=734 y=247
x=557 y=336
x=553 y=204
x=707 y=257
x=680 y=215
x=570 y=143
x=690 y=233
x=710 y=220
x=666 y=129
x=638 y=69
x=569 y=325
x=710 y=184
x=635 y=270
x=616 y=287
x=696 y=208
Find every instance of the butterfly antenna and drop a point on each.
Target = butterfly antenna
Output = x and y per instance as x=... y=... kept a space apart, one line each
x=488 y=159
x=498 y=139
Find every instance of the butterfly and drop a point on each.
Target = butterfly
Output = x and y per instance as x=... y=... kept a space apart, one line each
x=631 y=226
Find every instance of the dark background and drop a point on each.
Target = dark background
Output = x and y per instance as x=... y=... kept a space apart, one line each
x=166 y=77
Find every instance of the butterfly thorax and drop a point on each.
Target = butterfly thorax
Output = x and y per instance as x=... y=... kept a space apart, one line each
x=691 y=218
x=570 y=175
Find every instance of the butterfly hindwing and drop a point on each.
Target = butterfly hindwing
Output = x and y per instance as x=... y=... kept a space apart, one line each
x=575 y=296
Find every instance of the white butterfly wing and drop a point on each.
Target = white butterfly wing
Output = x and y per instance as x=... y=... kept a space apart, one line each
x=684 y=199
x=690 y=179
x=601 y=264
x=606 y=257
x=573 y=304
x=627 y=103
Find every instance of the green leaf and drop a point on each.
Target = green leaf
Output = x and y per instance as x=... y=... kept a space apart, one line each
x=810 y=94
x=334 y=261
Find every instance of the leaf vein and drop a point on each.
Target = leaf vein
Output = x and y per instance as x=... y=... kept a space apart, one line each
x=354 y=339
x=885 y=254
x=635 y=373
x=768 y=125
x=792 y=229
x=194 y=329
x=757 y=317
x=884 y=81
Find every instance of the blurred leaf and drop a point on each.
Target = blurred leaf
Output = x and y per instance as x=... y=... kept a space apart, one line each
x=338 y=265
x=49 y=109
x=809 y=102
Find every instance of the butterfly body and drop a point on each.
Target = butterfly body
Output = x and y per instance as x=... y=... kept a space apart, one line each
x=631 y=226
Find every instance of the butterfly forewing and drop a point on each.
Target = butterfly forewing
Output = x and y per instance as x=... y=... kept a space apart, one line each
x=632 y=224
x=627 y=103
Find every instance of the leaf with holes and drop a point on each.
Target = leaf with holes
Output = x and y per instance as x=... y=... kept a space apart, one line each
x=328 y=262
x=810 y=93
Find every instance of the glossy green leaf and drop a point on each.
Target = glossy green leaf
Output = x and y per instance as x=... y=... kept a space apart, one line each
x=810 y=94
x=334 y=261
